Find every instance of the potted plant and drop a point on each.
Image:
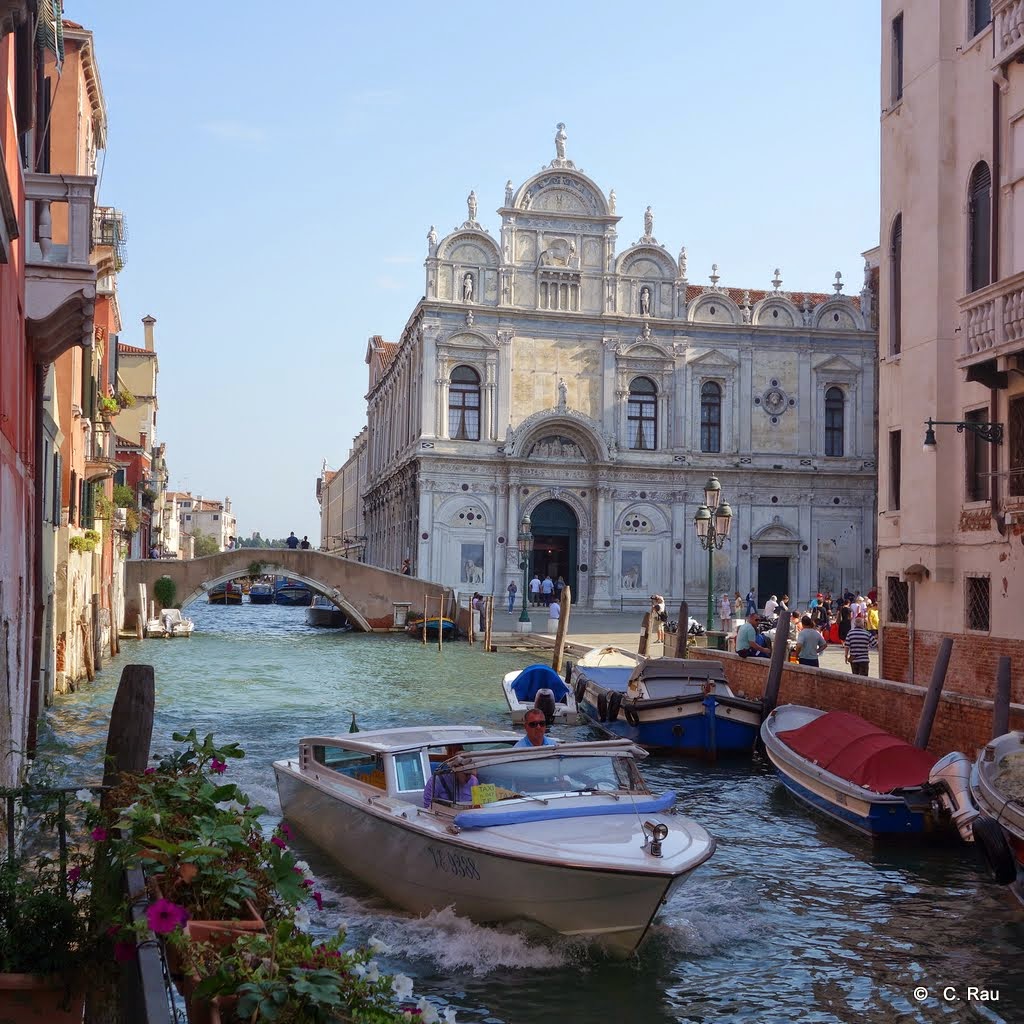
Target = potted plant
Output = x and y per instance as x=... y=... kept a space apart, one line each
x=52 y=926
x=108 y=406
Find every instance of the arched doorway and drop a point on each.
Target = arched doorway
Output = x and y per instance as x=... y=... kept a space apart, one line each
x=555 y=534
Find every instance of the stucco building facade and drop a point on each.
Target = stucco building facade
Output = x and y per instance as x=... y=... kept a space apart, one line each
x=547 y=371
x=951 y=522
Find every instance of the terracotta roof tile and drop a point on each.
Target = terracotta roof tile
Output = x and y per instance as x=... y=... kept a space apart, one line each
x=133 y=351
x=694 y=291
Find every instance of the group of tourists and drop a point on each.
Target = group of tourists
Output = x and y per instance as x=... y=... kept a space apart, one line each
x=851 y=620
x=545 y=591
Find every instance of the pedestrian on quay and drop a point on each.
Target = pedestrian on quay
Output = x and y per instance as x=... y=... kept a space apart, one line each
x=809 y=643
x=751 y=603
x=535 y=590
x=512 y=591
x=725 y=612
x=547 y=588
x=292 y=541
x=859 y=642
x=406 y=567
x=305 y=545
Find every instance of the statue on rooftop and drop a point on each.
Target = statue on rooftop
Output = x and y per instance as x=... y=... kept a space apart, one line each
x=432 y=241
x=560 y=138
x=648 y=223
x=471 y=204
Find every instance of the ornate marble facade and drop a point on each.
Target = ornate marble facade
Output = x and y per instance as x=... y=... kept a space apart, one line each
x=545 y=372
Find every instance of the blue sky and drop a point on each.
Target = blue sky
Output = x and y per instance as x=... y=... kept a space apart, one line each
x=280 y=166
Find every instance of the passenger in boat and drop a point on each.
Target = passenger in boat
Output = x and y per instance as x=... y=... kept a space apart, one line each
x=748 y=644
x=450 y=787
x=809 y=643
x=536 y=731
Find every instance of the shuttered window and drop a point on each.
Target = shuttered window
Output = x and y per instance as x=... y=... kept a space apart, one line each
x=979 y=228
x=896 y=287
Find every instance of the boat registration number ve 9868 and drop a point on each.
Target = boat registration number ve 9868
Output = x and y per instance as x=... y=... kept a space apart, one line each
x=457 y=864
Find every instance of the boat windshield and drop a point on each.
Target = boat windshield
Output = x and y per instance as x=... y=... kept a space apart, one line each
x=561 y=774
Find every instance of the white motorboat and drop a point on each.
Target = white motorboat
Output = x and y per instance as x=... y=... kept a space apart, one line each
x=566 y=837
x=541 y=687
x=997 y=789
x=170 y=623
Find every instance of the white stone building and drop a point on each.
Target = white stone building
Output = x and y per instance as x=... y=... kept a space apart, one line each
x=202 y=515
x=545 y=372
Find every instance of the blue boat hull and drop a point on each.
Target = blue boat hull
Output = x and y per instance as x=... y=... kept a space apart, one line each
x=293 y=598
x=701 y=733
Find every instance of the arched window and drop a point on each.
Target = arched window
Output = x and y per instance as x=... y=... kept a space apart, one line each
x=896 y=287
x=464 y=404
x=979 y=228
x=642 y=415
x=710 y=417
x=835 y=406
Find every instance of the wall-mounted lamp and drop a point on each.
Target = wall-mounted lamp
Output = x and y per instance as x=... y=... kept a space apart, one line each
x=991 y=432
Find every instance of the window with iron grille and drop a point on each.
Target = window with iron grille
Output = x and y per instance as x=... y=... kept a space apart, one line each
x=1015 y=435
x=899 y=600
x=897 y=58
x=976 y=459
x=981 y=15
x=896 y=287
x=710 y=417
x=641 y=415
x=464 y=404
x=895 y=468
x=977 y=603
x=835 y=405
x=979 y=228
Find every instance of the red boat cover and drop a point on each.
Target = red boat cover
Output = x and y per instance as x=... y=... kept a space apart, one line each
x=845 y=745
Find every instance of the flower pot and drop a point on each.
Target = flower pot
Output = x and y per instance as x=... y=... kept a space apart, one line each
x=206 y=1011
x=221 y=933
x=30 y=999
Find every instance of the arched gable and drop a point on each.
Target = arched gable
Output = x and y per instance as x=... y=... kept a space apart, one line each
x=838 y=314
x=714 y=308
x=646 y=262
x=642 y=518
x=561 y=191
x=776 y=311
x=469 y=247
x=575 y=428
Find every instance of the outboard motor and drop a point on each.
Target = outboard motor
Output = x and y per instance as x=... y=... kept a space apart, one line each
x=545 y=701
x=952 y=778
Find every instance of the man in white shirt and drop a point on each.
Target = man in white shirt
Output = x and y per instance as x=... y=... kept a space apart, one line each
x=770 y=607
x=535 y=590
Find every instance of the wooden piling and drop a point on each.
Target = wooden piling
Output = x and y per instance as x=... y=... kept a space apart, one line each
x=140 y=632
x=1001 y=705
x=426 y=612
x=645 y=638
x=931 y=700
x=563 y=628
x=131 y=724
x=774 y=681
x=97 y=633
x=682 y=629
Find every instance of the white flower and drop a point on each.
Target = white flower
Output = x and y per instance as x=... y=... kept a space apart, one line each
x=402 y=986
x=428 y=1012
x=302 y=919
x=302 y=866
x=359 y=970
x=230 y=805
x=85 y=795
x=448 y=1017
x=378 y=945
x=373 y=974
x=156 y=819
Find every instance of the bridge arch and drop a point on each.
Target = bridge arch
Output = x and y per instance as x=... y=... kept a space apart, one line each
x=366 y=594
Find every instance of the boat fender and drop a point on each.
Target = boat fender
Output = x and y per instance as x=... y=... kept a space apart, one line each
x=632 y=717
x=602 y=707
x=614 y=703
x=581 y=688
x=991 y=841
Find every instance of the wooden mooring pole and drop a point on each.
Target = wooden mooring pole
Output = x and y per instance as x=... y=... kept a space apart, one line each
x=563 y=628
x=682 y=630
x=645 y=635
x=1001 y=705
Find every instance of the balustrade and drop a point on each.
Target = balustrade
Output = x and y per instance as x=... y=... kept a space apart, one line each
x=993 y=320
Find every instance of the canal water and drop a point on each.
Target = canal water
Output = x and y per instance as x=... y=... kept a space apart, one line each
x=791 y=920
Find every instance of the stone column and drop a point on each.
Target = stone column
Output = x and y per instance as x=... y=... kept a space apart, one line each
x=600 y=567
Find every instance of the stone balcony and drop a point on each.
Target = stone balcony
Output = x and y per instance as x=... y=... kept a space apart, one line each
x=60 y=280
x=1008 y=19
x=993 y=330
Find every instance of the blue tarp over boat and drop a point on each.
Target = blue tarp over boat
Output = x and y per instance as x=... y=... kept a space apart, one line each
x=539 y=677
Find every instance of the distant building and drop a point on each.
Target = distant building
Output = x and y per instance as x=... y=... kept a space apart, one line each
x=547 y=373
x=201 y=515
x=340 y=494
x=951 y=519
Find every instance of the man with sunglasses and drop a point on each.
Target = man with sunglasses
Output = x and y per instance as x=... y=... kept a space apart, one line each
x=536 y=730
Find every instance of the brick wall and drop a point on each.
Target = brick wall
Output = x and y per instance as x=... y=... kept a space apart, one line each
x=972 y=665
x=962 y=722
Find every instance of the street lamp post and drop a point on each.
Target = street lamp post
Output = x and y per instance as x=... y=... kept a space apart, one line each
x=525 y=541
x=712 y=521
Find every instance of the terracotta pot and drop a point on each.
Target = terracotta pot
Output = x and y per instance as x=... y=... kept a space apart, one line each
x=206 y=1011
x=29 y=999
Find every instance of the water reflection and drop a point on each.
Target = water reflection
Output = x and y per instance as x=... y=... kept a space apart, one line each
x=793 y=919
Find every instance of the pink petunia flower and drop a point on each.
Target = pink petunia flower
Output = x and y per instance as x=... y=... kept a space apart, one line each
x=99 y=834
x=285 y=830
x=319 y=901
x=164 y=917
x=308 y=883
x=74 y=874
x=149 y=771
x=218 y=767
x=279 y=843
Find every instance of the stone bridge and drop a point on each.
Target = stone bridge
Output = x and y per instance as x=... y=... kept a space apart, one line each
x=366 y=594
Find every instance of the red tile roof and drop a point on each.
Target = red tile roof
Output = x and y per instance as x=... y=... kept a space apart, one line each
x=694 y=291
x=133 y=351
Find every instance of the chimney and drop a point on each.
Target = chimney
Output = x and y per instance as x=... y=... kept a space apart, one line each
x=147 y=323
x=227 y=504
